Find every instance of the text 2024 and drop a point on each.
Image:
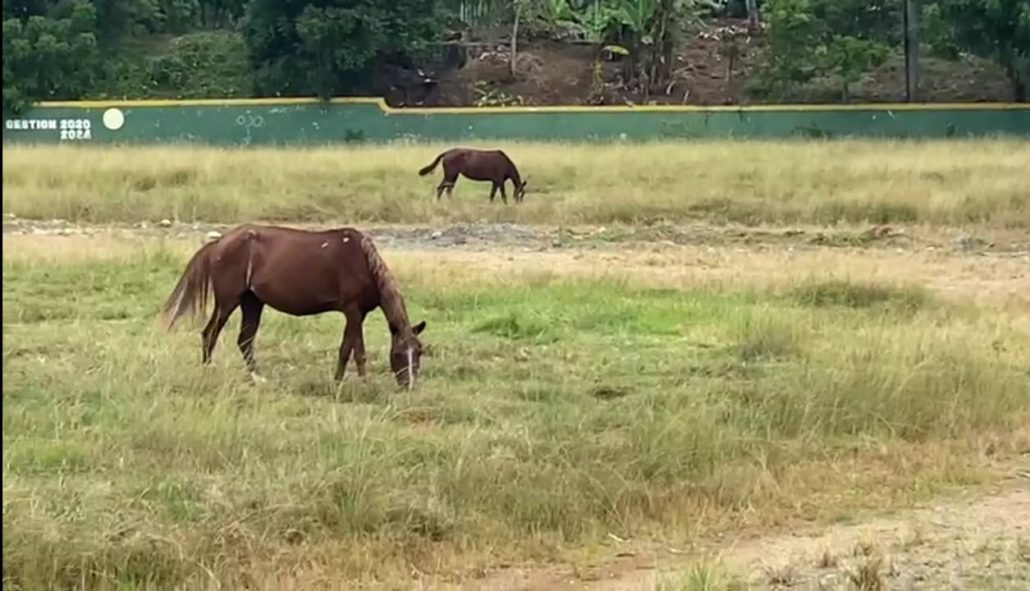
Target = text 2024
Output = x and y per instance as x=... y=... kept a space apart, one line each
x=76 y=129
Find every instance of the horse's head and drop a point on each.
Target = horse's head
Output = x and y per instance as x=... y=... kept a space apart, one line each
x=520 y=190
x=406 y=354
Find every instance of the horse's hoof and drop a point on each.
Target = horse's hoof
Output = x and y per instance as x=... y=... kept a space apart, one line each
x=256 y=378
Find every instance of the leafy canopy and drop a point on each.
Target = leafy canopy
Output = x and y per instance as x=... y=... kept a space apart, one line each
x=334 y=46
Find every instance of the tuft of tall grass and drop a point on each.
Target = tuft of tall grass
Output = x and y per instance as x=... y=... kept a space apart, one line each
x=850 y=294
x=704 y=576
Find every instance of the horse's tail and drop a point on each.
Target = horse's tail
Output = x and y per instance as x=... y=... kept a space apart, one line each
x=191 y=292
x=428 y=169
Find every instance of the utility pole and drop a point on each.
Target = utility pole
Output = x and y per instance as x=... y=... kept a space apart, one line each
x=911 y=22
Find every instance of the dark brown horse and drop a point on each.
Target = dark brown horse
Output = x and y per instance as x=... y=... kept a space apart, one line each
x=478 y=165
x=297 y=272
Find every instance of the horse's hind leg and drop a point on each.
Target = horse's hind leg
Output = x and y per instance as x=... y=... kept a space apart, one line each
x=450 y=177
x=219 y=316
x=445 y=185
x=251 y=308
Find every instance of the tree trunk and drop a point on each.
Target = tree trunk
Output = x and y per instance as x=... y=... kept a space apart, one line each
x=754 y=19
x=631 y=41
x=1019 y=86
x=911 y=22
x=659 y=68
x=515 y=37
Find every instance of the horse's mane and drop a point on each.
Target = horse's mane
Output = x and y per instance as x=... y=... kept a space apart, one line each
x=390 y=296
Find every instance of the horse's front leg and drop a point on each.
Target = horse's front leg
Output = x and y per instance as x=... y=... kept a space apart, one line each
x=353 y=341
x=359 y=350
x=504 y=194
x=251 y=307
x=346 y=346
x=450 y=178
x=493 y=192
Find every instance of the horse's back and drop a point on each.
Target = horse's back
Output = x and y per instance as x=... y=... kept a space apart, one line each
x=284 y=236
x=294 y=270
x=473 y=154
x=476 y=164
x=328 y=249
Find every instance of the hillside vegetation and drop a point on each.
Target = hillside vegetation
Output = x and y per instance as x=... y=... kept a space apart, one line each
x=439 y=52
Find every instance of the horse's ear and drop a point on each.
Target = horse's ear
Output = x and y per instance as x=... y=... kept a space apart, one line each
x=418 y=328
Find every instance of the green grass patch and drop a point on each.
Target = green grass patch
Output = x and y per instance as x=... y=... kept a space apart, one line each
x=705 y=576
x=551 y=412
x=848 y=294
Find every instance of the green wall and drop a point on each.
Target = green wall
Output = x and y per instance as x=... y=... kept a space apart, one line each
x=304 y=121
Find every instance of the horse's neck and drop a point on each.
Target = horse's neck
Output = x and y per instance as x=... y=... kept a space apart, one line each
x=513 y=173
x=396 y=315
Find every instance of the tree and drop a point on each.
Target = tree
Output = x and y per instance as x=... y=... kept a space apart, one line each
x=848 y=57
x=333 y=46
x=841 y=38
x=121 y=19
x=221 y=13
x=995 y=29
x=51 y=56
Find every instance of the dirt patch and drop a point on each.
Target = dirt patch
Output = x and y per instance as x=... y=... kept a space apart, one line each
x=954 y=265
x=975 y=541
x=718 y=63
x=484 y=236
x=714 y=65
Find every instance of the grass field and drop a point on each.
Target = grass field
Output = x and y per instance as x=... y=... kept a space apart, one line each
x=952 y=183
x=655 y=394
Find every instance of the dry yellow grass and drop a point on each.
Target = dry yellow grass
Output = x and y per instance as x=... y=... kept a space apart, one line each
x=741 y=399
x=653 y=391
x=954 y=183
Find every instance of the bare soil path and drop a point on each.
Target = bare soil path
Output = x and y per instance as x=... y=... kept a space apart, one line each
x=483 y=236
x=976 y=540
x=953 y=262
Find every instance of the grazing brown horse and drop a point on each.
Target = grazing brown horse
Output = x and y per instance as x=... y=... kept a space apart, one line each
x=297 y=272
x=477 y=165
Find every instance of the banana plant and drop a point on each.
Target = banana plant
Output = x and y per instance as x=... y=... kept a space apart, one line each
x=646 y=30
x=643 y=31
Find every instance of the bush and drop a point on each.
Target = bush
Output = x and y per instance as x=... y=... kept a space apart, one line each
x=210 y=64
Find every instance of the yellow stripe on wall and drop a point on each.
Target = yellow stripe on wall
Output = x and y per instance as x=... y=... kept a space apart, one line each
x=381 y=103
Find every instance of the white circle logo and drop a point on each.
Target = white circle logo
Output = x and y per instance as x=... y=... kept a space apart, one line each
x=114 y=119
